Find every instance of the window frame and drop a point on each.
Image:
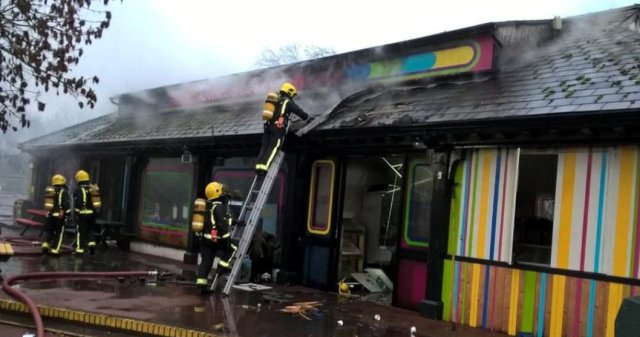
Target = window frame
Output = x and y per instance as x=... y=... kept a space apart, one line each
x=312 y=198
x=406 y=239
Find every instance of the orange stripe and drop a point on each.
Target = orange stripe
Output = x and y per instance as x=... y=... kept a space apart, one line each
x=623 y=215
x=566 y=210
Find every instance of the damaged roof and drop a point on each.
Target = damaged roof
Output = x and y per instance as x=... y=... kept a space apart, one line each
x=594 y=66
x=591 y=66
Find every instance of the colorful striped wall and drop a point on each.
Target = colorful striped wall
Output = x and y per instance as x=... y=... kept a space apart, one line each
x=484 y=204
x=542 y=304
x=596 y=230
x=596 y=216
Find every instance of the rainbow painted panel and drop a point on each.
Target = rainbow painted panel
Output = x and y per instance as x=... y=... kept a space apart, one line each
x=485 y=205
x=596 y=215
x=541 y=304
x=456 y=59
x=596 y=226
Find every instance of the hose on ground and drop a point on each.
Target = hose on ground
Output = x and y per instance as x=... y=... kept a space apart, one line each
x=33 y=309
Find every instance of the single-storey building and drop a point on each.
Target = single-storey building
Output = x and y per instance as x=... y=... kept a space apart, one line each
x=492 y=172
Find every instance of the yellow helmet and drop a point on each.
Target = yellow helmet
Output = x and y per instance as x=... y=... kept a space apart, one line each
x=58 y=179
x=289 y=89
x=213 y=190
x=82 y=175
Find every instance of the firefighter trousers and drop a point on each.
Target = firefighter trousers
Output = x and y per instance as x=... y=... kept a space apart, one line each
x=272 y=139
x=222 y=249
x=54 y=233
x=85 y=235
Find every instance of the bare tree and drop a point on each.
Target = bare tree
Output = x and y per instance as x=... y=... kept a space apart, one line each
x=40 y=42
x=291 y=53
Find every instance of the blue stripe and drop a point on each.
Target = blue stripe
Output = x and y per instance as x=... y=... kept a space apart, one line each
x=486 y=300
x=543 y=295
x=456 y=287
x=603 y=175
x=496 y=195
x=592 y=300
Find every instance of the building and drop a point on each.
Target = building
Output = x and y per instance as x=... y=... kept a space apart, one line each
x=492 y=171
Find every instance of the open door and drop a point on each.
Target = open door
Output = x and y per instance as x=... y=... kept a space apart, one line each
x=414 y=238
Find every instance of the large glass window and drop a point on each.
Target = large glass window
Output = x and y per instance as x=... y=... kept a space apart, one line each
x=238 y=182
x=166 y=201
x=535 y=199
x=418 y=206
x=321 y=197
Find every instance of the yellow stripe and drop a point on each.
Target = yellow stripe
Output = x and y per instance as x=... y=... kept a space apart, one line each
x=513 y=301
x=273 y=153
x=566 y=210
x=557 y=306
x=484 y=201
x=615 y=300
x=623 y=215
x=475 y=289
x=453 y=57
x=104 y=320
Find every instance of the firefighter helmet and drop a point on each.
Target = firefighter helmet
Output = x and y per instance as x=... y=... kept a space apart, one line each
x=82 y=175
x=58 y=179
x=213 y=190
x=289 y=89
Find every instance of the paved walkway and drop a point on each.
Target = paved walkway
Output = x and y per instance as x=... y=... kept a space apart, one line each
x=176 y=303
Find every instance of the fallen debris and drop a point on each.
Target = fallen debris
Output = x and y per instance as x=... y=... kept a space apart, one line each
x=302 y=308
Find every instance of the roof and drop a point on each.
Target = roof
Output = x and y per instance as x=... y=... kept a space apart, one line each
x=593 y=66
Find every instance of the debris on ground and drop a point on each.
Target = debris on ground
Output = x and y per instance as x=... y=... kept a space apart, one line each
x=304 y=309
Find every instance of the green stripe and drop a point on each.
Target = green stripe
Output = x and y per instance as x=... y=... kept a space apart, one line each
x=473 y=204
x=454 y=223
x=447 y=289
x=529 y=301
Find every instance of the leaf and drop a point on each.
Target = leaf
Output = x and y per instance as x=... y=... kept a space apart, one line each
x=81 y=105
x=41 y=106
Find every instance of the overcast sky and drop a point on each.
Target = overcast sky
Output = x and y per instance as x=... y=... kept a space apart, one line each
x=153 y=43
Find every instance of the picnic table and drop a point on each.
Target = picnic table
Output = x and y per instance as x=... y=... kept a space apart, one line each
x=36 y=221
x=110 y=229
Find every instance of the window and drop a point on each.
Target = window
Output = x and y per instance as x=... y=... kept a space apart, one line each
x=238 y=181
x=533 y=225
x=418 y=208
x=321 y=197
x=166 y=201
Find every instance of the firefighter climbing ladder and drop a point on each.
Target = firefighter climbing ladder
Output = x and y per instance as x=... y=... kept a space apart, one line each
x=257 y=196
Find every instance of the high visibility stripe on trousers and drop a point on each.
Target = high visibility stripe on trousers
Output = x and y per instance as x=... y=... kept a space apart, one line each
x=273 y=153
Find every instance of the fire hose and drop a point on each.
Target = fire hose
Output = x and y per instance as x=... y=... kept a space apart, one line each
x=18 y=295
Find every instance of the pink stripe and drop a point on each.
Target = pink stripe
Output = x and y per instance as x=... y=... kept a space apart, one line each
x=585 y=216
x=577 y=316
x=504 y=189
x=493 y=298
x=637 y=253
x=144 y=228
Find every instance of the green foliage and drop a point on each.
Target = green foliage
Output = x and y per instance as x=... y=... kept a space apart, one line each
x=40 y=42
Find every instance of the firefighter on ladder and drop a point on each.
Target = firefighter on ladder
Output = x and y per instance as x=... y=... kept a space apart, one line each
x=278 y=109
x=213 y=232
x=86 y=205
x=57 y=205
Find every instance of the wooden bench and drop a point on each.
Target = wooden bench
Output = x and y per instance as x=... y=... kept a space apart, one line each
x=30 y=224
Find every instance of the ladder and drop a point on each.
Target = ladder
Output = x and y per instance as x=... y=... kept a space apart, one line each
x=253 y=204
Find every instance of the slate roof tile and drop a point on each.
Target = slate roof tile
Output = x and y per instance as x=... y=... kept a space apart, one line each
x=616 y=106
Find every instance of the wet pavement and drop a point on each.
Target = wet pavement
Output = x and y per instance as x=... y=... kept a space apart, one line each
x=175 y=302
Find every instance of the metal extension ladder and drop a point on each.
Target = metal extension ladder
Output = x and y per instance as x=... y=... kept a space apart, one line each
x=253 y=204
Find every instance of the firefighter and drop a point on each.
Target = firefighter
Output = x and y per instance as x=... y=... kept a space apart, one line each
x=86 y=209
x=215 y=237
x=275 y=126
x=57 y=203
